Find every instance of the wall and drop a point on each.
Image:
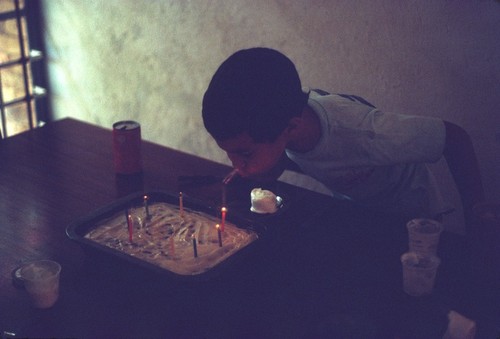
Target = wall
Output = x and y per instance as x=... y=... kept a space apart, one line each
x=152 y=60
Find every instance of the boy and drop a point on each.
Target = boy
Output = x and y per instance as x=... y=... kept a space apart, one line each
x=256 y=110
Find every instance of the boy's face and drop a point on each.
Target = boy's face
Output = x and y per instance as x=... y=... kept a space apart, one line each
x=250 y=158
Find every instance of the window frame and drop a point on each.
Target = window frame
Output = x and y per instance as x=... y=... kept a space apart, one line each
x=28 y=18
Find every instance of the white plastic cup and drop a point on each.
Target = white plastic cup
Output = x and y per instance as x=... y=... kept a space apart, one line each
x=419 y=273
x=423 y=236
x=41 y=280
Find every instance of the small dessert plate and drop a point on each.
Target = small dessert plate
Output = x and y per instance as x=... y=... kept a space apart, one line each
x=264 y=201
x=279 y=202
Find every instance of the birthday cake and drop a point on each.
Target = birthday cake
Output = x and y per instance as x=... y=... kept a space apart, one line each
x=264 y=201
x=182 y=241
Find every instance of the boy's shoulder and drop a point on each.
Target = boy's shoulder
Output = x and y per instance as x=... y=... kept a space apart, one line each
x=341 y=108
x=338 y=98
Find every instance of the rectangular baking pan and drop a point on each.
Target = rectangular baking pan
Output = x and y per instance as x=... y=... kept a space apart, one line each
x=78 y=229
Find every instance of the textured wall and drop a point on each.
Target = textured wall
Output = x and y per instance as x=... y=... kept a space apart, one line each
x=151 y=60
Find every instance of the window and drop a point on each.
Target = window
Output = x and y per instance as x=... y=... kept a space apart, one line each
x=23 y=104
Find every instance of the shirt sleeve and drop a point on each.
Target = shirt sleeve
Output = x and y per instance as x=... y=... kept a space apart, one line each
x=394 y=138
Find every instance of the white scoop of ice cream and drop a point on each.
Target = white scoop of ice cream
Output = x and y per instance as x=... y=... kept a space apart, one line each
x=263 y=201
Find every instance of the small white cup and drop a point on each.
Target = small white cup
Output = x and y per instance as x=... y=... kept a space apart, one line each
x=419 y=273
x=41 y=280
x=423 y=236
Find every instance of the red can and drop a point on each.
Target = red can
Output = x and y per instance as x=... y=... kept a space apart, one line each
x=127 y=140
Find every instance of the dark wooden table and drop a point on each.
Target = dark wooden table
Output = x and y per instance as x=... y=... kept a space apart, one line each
x=325 y=267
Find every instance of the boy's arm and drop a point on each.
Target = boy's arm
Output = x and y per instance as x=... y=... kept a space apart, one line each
x=461 y=158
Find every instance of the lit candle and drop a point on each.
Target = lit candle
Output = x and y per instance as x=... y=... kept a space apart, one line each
x=181 y=207
x=146 y=207
x=130 y=225
x=219 y=234
x=195 y=250
x=223 y=211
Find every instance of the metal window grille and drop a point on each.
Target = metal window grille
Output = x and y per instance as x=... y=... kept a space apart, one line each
x=18 y=94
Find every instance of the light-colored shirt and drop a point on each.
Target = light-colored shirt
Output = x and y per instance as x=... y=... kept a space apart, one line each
x=375 y=158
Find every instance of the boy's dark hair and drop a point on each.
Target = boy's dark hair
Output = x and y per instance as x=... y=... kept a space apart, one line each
x=256 y=91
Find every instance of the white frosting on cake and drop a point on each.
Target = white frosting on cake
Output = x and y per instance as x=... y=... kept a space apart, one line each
x=263 y=201
x=166 y=238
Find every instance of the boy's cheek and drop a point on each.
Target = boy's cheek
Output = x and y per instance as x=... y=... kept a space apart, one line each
x=263 y=173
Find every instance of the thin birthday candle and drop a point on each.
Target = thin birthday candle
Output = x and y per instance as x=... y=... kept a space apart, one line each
x=181 y=207
x=130 y=225
x=219 y=235
x=146 y=207
x=223 y=211
x=195 y=250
